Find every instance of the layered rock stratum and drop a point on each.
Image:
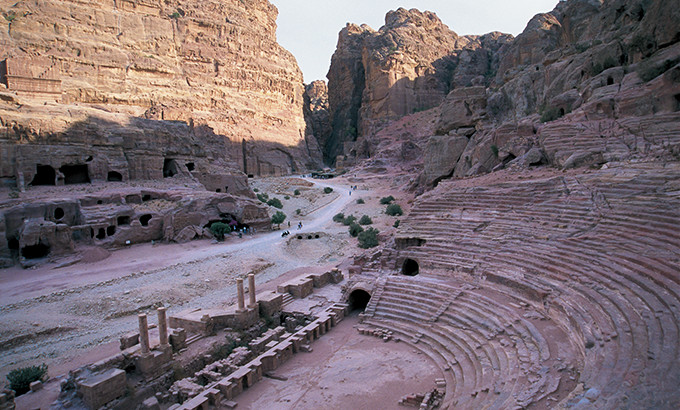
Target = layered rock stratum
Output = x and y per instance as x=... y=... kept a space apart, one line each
x=587 y=83
x=124 y=86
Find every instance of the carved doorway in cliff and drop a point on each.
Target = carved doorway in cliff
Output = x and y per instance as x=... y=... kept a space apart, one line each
x=44 y=175
x=75 y=174
x=358 y=300
x=170 y=168
x=114 y=176
x=410 y=267
x=39 y=250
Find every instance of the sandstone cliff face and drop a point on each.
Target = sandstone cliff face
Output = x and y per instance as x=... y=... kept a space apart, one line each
x=409 y=65
x=587 y=83
x=317 y=117
x=135 y=84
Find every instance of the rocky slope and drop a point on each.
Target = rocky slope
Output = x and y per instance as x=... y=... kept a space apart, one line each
x=133 y=84
x=585 y=84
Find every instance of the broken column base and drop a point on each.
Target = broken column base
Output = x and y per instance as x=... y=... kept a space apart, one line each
x=155 y=362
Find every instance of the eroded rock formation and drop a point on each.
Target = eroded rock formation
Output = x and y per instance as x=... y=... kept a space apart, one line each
x=139 y=83
x=584 y=84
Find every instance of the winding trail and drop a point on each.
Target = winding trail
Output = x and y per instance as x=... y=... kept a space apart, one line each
x=20 y=284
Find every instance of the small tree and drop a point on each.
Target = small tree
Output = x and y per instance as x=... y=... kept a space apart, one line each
x=365 y=220
x=386 y=200
x=396 y=223
x=20 y=379
x=368 y=238
x=360 y=201
x=263 y=197
x=275 y=202
x=298 y=211
x=278 y=218
x=339 y=217
x=393 y=210
x=286 y=197
x=296 y=192
x=219 y=229
x=327 y=190
x=355 y=229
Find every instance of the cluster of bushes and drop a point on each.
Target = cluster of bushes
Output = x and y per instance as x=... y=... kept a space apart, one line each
x=275 y=202
x=368 y=238
x=386 y=200
x=20 y=379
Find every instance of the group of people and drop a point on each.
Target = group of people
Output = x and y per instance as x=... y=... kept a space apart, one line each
x=246 y=231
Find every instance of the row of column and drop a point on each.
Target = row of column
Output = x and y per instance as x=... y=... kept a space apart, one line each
x=144 y=330
x=163 y=324
x=251 y=293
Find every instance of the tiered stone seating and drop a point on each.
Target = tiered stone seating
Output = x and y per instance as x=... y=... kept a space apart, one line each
x=597 y=255
x=497 y=357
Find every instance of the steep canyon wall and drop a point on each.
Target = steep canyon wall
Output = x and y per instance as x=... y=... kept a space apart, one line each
x=587 y=83
x=124 y=87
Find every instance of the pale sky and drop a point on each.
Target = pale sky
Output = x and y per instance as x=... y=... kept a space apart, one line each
x=309 y=28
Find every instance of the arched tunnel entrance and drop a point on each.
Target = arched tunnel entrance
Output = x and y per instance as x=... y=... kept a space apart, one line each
x=410 y=267
x=358 y=300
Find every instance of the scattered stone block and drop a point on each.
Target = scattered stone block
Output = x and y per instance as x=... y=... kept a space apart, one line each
x=36 y=386
x=99 y=389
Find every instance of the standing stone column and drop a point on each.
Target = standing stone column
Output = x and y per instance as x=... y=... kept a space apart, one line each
x=162 y=327
x=251 y=291
x=143 y=333
x=240 y=292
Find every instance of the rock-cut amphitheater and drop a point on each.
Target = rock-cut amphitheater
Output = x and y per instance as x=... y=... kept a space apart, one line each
x=537 y=262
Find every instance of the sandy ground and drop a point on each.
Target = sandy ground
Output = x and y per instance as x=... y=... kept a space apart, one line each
x=69 y=316
x=345 y=370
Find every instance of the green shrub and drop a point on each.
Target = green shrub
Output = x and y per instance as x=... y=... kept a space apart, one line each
x=494 y=150
x=551 y=114
x=339 y=217
x=275 y=202
x=20 y=379
x=263 y=197
x=286 y=197
x=278 y=218
x=219 y=229
x=608 y=63
x=355 y=229
x=256 y=190
x=175 y=15
x=386 y=200
x=296 y=192
x=349 y=220
x=365 y=220
x=393 y=210
x=396 y=224
x=360 y=201
x=368 y=238
x=327 y=190
x=649 y=71
x=298 y=211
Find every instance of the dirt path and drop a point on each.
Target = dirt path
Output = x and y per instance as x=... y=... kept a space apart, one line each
x=58 y=314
